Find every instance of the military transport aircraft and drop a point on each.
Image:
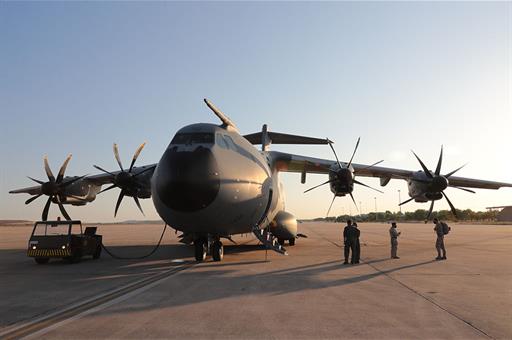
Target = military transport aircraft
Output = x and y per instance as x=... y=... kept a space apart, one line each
x=211 y=183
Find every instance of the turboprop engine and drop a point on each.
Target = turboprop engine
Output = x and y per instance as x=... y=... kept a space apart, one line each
x=284 y=226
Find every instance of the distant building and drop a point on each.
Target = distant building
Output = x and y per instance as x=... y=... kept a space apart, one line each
x=505 y=215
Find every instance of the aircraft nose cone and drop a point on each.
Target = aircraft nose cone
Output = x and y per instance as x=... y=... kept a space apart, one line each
x=439 y=183
x=187 y=181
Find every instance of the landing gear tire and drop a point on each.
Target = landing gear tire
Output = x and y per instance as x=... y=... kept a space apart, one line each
x=280 y=241
x=41 y=260
x=291 y=241
x=217 y=251
x=200 y=249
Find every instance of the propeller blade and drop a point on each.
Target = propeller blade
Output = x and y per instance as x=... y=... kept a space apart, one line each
x=107 y=189
x=64 y=212
x=44 y=216
x=454 y=171
x=427 y=172
x=365 y=185
x=335 y=155
x=370 y=166
x=119 y=199
x=136 y=155
x=49 y=172
x=105 y=171
x=62 y=170
x=65 y=184
x=116 y=154
x=35 y=180
x=410 y=199
x=439 y=162
x=451 y=205
x=319 y=185
x=353 y=200
x=143 y=171
x=30 y=200
x=471 y=191
x=430 y=210
x=138 y=204
x=354 y=153
x=330 y=206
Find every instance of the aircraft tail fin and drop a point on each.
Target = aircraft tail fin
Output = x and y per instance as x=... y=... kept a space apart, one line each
x=265 y=138
x=226 y=122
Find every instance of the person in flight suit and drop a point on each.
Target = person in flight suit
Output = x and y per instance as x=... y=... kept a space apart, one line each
x=349 y=240
x=440 y=231
x=357 y=252
x=393 y=234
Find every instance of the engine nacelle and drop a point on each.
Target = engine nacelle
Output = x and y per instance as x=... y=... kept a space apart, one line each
x=342 y=181
x=284 y=226
x=84 y=192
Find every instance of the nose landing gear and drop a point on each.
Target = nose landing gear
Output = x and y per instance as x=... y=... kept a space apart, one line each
x=212 y=245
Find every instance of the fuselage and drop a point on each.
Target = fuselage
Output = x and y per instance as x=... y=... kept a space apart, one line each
x=211 y=180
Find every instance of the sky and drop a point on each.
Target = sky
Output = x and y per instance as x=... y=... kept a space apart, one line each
x=77 y=77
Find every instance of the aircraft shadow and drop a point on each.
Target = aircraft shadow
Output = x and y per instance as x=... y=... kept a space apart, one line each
x=277 y=282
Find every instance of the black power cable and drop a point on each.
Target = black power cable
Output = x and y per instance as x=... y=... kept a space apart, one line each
x=139 y=257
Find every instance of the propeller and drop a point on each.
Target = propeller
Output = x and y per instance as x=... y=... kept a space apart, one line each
x=437 y=183
x=344 y=171
x=125 y=180
x=55 y=188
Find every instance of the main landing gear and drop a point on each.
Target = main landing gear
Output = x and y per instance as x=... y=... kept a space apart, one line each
x=214 y=245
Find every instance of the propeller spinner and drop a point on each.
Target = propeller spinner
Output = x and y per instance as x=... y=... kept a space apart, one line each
x=436 y=183
x=55 y=188
x=126 y=180
x=342 y=178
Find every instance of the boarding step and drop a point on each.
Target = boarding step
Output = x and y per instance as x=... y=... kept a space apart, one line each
x=268 y=240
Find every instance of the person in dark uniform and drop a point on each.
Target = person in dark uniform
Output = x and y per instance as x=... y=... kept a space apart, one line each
x=393 y=234
x=357 y=252
x=440 y=232
x=349 y=240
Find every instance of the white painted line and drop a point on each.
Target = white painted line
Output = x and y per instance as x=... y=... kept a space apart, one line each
x=102 y=306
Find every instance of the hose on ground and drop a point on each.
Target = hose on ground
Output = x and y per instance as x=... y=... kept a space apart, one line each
x=138 y=257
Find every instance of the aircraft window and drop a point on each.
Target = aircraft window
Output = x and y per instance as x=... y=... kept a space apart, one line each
x=51 y=229
x=221 y=142
x=230 y=143
x=193 y=138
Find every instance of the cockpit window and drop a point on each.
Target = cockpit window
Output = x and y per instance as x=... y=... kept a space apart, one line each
x=193 y=138
x=220 y=141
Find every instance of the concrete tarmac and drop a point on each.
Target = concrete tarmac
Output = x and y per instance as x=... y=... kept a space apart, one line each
x=308 y=294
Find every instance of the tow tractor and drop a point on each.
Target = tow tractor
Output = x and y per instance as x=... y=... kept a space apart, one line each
x=63 y=239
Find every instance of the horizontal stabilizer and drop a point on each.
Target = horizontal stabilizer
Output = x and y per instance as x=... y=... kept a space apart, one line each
x=283 y=138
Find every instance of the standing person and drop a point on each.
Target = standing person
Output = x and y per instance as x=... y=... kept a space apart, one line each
x=349 y=235
x=394 y=233
x=357 y=246
x=440 y=229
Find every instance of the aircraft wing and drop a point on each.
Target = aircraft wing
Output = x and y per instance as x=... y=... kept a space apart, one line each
x=302 y=164
x=107 y=178
x=295 y=163
x=36 y=190
x=98 y=180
